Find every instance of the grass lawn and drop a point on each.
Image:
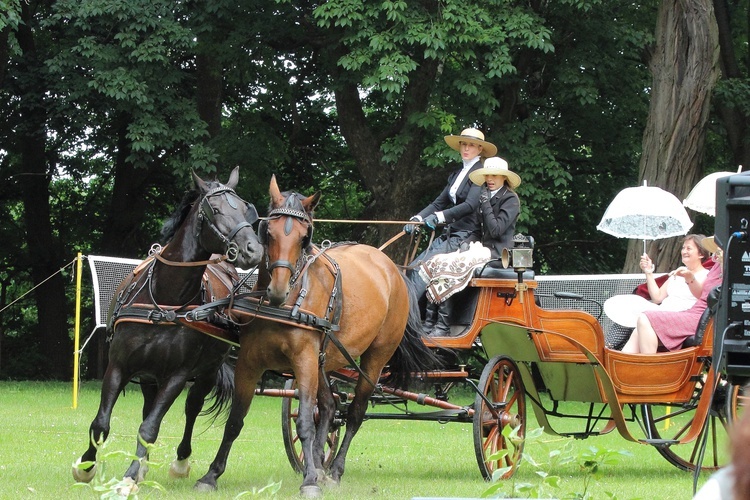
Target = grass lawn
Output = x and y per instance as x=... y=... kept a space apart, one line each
x=41 y=436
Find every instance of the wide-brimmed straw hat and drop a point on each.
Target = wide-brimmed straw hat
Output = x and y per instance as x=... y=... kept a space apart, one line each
x=471 y=135
x=710 y=244
x=495 y=166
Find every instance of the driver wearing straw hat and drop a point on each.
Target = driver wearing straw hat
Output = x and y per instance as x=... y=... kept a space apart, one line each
x=459 y=200
x=456 y=206
x=499 y=206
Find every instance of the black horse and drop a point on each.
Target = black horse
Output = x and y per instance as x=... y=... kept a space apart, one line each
x=149 y=343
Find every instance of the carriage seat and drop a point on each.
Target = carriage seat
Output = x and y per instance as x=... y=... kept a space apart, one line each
x=496 y=269
x=712 y=301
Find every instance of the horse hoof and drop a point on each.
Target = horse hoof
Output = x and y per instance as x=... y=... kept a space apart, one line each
x=127 y=487
x=325 y=480
x=204 y=487
x=142 y=471
x=83 y=476
x=313 y=491
x=180 y=469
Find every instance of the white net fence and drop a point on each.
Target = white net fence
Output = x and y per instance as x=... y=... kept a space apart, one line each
x=108 y=272
x=595 y=289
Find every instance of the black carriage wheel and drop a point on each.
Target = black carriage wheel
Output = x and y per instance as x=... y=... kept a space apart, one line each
x=292 y=443
x=672 y=422
x=502 y=386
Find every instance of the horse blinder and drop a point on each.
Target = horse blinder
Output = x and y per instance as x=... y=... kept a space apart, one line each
x=251 y=215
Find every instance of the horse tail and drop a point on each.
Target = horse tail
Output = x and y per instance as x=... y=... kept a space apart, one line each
x=412 y=354
x=223 y=390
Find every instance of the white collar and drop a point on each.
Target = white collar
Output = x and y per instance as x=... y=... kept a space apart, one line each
x=469 y=163
x=493 y=193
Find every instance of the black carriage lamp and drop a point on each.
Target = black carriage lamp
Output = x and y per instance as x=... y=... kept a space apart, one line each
x=520 y=257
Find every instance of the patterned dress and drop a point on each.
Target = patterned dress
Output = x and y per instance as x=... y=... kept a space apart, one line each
x=673 y=327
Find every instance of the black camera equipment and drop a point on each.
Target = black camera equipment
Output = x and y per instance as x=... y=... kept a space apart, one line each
x=732 y=321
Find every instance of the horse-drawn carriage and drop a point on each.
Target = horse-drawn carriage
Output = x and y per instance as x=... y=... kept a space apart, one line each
x=333 y=317
x=545 y=359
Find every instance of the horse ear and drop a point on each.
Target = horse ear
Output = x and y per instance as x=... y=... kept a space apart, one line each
x=311 y=202
x=276 y=198
x=199 y=183
x=234 y=178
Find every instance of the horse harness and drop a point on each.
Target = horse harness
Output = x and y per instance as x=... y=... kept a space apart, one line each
x=292 y=214
x=217 y=317
x=249 y=306
x=125 y=309
x=252 y=305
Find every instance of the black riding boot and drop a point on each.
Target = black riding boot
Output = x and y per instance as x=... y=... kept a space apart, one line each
x=443 y=326
x=430 y=317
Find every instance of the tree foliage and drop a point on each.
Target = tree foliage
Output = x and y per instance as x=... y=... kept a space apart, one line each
x=110 y=104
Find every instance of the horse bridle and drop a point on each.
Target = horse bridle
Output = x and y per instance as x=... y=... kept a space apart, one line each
x=206 y=213
x=292 y=214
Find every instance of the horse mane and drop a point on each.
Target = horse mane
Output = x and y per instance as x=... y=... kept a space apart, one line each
x=171 y=225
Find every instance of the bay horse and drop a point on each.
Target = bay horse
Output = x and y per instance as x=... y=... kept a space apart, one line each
x=148 y=344
x=357 y=304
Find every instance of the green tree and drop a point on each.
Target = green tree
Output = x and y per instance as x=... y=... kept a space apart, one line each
x=110 y=104
x=28 y=149
x=524 y=72
x=731 y=96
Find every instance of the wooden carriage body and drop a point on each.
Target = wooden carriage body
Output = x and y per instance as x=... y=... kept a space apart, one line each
x=566 y=346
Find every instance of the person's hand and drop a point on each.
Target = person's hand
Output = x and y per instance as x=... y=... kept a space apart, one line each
x=431 y=221
x=409 y=228
x=684 y=273
x=647 y=266
x=484 y=194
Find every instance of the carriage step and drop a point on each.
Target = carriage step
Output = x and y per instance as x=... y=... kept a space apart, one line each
x=660 y=443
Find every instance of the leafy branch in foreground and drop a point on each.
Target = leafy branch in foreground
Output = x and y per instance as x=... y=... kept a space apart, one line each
x=590 y=461
x=113 y=487
x=127 y=488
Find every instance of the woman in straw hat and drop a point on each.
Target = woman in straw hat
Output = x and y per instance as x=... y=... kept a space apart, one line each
x=498 y=211
x=499 y=206
x=455 y=207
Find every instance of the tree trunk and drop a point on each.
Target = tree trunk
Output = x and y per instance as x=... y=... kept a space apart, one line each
x=734 y=119
x=45 y=252
x=209 y=91
x=685 y=69
x=127 y=210
x=396 y=189
x=46 y=259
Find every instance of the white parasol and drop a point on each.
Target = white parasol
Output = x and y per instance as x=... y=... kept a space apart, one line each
x=702 y=198
x=647 y=213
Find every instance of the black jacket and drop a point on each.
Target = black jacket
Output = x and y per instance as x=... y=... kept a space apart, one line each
x=461 y=216
x=498 y=217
